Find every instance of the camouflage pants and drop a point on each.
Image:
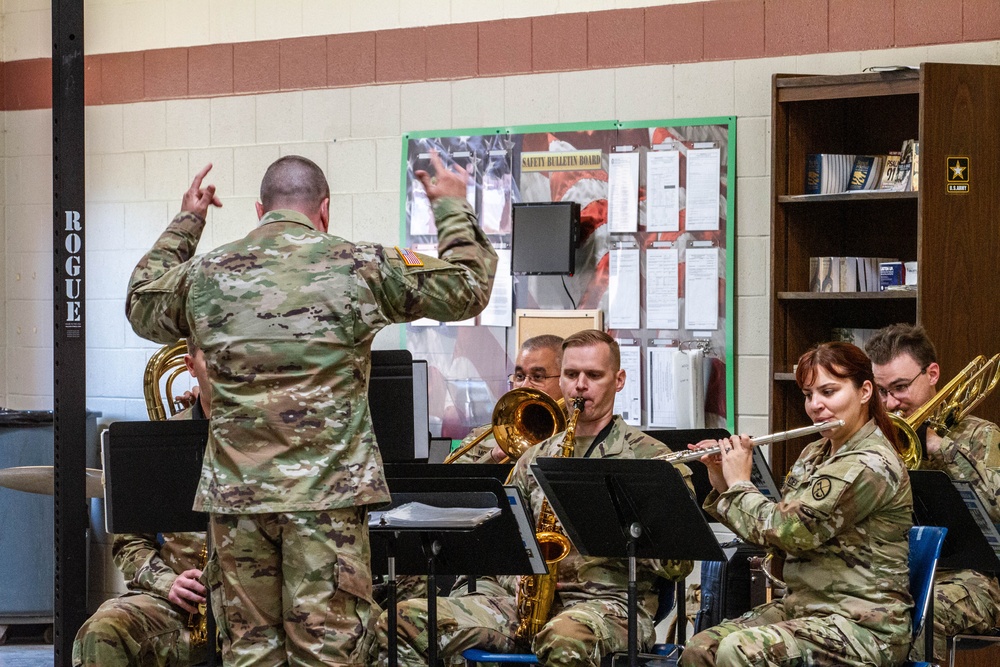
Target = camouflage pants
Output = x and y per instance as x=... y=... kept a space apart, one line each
x=763 y=636
x=295 y=587
x=578 y=635
x=136 y=629
x=468 y=621
x=965 y=602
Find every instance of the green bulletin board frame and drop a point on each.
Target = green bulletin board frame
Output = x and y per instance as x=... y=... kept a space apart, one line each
x=728 y=187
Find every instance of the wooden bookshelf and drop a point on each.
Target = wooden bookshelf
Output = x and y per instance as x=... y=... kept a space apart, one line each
x=955 y=238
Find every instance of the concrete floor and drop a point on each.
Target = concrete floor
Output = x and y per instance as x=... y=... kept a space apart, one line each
x=27 y=655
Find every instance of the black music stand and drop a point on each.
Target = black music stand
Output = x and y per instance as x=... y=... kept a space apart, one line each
x=503 y=545
x=631 y=507
x=937 y=502
x=151 y=473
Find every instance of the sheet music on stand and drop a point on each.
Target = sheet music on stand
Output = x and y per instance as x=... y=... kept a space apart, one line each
x=978 y=511
x=421 y=515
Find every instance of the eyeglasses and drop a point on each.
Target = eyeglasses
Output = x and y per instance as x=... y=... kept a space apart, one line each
x=899 y=388
x=537 y=378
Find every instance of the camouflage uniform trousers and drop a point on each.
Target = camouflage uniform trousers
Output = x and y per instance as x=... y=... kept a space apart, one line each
x=577 y=636
x=466 y=621
x=136 y=629
x=294 y=588
x=965 y=602
x=763 y=636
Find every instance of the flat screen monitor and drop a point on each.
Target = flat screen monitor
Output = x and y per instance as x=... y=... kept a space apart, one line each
x=397 y=398
x=544 y=238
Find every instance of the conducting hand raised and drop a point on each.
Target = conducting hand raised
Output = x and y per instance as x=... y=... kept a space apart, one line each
x=445 y=182
x=197 y=199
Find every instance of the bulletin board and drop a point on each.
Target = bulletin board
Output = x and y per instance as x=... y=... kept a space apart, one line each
x=655 y=258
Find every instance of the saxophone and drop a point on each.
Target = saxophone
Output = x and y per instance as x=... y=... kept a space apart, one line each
x=198 y=622
x=536 y=592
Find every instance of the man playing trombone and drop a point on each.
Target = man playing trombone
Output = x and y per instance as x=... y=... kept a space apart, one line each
x=906 y=375
x=536 y=367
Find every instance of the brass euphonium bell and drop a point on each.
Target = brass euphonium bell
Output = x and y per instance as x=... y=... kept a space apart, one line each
x=948 y=407
x=521 y=418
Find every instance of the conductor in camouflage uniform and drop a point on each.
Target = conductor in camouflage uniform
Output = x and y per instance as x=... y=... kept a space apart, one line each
x=286 y=317
x=906 y=374
x=536 y=367
x=148 y=625
x=842 y=525
x=589 y=617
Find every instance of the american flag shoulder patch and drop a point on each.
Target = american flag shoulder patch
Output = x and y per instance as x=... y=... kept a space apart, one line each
x=409 y=257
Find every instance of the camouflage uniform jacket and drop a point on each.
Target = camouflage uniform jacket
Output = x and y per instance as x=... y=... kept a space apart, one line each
x=971 y=452
x=286 y=317
x=147 y=565
x=583 y=579
x=843 y=522
x=483 y=451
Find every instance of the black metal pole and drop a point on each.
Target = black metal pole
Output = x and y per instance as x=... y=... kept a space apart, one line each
x=69 y=343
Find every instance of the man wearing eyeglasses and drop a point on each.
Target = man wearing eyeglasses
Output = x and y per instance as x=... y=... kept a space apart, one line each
x=906 y=374
x=536 y=367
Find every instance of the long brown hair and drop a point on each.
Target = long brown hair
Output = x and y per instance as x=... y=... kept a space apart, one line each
x=847 y=362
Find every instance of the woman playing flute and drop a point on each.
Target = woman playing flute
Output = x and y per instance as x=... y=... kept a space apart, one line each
x=842 y=526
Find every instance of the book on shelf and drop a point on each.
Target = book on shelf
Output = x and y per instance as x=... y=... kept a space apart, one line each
x=867 y=172
x=895 y=176
x=908 y=164
x=853 y=335
x=828 y=173
x=845 y=274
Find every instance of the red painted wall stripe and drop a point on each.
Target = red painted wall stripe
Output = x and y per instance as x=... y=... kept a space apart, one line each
x=685 y=33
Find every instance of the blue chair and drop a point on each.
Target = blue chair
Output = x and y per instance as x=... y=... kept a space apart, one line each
x=925 y=549
x=475 y=655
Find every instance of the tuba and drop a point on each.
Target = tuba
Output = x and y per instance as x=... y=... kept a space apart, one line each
x=521 y=418
x=168 y=361
x=536 y=592
x=948 y=407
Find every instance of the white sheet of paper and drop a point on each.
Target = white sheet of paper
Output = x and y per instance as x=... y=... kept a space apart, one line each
x=663 y=191
x=421 y=214
x=623 y=192
x=496 y=193
x=499 y=311
x=661 y=404
x=701 y=289
x=702 y=189
x=689 y=389
x=662 y=294
x=628 y=402
x=623 y=289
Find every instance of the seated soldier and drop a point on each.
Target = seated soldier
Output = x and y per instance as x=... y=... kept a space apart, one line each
x=150 y=624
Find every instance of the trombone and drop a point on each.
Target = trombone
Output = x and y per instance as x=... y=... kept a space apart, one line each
x=521 y=418
x=948 y=407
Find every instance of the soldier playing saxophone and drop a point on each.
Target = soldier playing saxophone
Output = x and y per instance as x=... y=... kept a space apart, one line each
x=589 y=610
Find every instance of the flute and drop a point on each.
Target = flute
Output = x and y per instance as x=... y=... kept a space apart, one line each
x=696 y=454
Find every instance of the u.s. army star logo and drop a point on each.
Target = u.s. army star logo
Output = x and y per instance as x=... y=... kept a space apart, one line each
x=821 y=488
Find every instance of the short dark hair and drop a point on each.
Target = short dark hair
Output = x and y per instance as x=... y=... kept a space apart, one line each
x=896 y=339
x=545 y=342
x=293 y=182
x=589 y=337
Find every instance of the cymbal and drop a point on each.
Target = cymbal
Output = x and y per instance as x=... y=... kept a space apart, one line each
x=39 y=479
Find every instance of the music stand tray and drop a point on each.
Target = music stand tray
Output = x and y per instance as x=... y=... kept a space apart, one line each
x=972 y=542
x=505 y=544
x=634 y=508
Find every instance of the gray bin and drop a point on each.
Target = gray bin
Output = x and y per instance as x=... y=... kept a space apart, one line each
x=27 y=551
